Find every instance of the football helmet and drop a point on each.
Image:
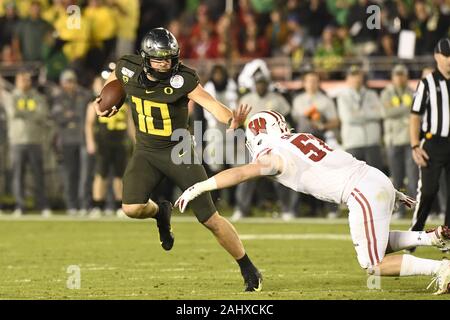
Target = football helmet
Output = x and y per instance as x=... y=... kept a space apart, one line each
x=160 y=43
x=262 y=124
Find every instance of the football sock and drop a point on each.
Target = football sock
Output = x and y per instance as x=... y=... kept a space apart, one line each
x=245 y=262
x=98 y=204
x=413 y=266
x=118 y=204
x=399 y=240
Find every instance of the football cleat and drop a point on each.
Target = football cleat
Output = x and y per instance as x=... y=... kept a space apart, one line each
x=442 y=279
x=440 y=237
x=166 y=236
x=252 y=280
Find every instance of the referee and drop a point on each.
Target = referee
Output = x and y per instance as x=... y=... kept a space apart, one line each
x=429 y=133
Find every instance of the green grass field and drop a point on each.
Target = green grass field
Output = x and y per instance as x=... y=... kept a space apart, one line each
x=122 y=259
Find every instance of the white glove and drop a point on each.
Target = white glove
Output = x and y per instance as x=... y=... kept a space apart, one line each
x=189 y=194
x=193 y=192
x=400 y=197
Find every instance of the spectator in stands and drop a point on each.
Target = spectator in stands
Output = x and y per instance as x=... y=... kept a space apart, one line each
x=313 y=111
x=203 y=22
x=364 y=38
x=27 y=114
x=397 y=99
x=317 y=18
x=103 y=35
x=296 y=41
x=126 y=14
x=30 y=34
x=359 y=110
x=429 y=24
x=276 y=32
x=205 y=46
x=227 y=37
x=263 y=99
x=74 y=40
x=8 y=25
x=252 y=44
x=339 y=9
x=329 y=53
x=68 y=113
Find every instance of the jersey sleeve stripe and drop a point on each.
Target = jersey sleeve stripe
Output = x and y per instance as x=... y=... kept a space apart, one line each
x=418 y=100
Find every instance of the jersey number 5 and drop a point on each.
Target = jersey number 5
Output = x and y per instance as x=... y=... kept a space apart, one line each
x=145 y=119
x=304 y=143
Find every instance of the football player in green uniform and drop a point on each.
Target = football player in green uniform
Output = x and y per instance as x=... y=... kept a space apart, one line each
x=160 y=87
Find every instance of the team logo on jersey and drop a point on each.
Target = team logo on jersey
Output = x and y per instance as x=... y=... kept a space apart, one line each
x=125 y=79
x=127 y=72
x=177 y=81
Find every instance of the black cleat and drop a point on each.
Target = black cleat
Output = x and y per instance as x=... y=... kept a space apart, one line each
x=252 y=280
x=166 y=236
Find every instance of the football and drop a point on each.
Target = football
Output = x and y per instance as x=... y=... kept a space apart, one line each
x=112 y=95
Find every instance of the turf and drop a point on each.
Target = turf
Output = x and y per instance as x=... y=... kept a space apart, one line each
x=122 y=259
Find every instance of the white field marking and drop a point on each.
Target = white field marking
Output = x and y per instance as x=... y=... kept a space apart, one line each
x=295 y=236
x=189 y=219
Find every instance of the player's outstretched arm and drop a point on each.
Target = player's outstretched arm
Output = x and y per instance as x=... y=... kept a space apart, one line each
x=220 y=111
x=267 y=165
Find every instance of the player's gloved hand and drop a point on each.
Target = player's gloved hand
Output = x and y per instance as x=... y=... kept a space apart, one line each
x=400 y=197
x=106 y=113
x=189 y=194
x=239 y=116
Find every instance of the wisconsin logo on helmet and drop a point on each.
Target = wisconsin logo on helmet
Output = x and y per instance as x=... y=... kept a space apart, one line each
x=263 y=123
x=160 y=44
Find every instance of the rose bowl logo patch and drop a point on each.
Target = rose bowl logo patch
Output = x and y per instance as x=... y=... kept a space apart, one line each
x=177 y=81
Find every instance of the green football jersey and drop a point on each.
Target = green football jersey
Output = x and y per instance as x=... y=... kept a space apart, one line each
x=158 y=107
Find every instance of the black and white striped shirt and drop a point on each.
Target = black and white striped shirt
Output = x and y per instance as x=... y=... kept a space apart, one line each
x=431 y=100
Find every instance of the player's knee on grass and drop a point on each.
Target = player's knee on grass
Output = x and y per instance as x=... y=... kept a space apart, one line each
x=133 y=210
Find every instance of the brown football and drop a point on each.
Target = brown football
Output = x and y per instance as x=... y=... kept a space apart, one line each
x=112 y=95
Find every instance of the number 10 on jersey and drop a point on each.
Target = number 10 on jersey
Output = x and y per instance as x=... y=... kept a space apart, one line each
x=145 y=119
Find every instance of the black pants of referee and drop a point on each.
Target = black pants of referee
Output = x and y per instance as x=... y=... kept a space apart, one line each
x=438 y=149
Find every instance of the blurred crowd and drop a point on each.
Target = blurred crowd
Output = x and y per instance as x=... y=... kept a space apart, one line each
x=95 y=32
x=46 y=124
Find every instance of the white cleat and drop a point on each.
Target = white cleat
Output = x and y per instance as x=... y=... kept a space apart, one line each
x=440 y=237
x=17 y=213
x=237 y=215
x=332 y=215
x=287 y=216
x=442 y=279
x=95 y=213
x=120 y=214
x=46 y=213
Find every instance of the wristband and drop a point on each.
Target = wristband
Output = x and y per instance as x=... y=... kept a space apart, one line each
x=414 y=146
x=207 y=185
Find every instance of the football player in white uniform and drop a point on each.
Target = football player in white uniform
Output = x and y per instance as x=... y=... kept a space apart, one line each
x=306 y=164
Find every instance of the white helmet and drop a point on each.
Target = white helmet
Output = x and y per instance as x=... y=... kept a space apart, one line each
x=261 y=124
